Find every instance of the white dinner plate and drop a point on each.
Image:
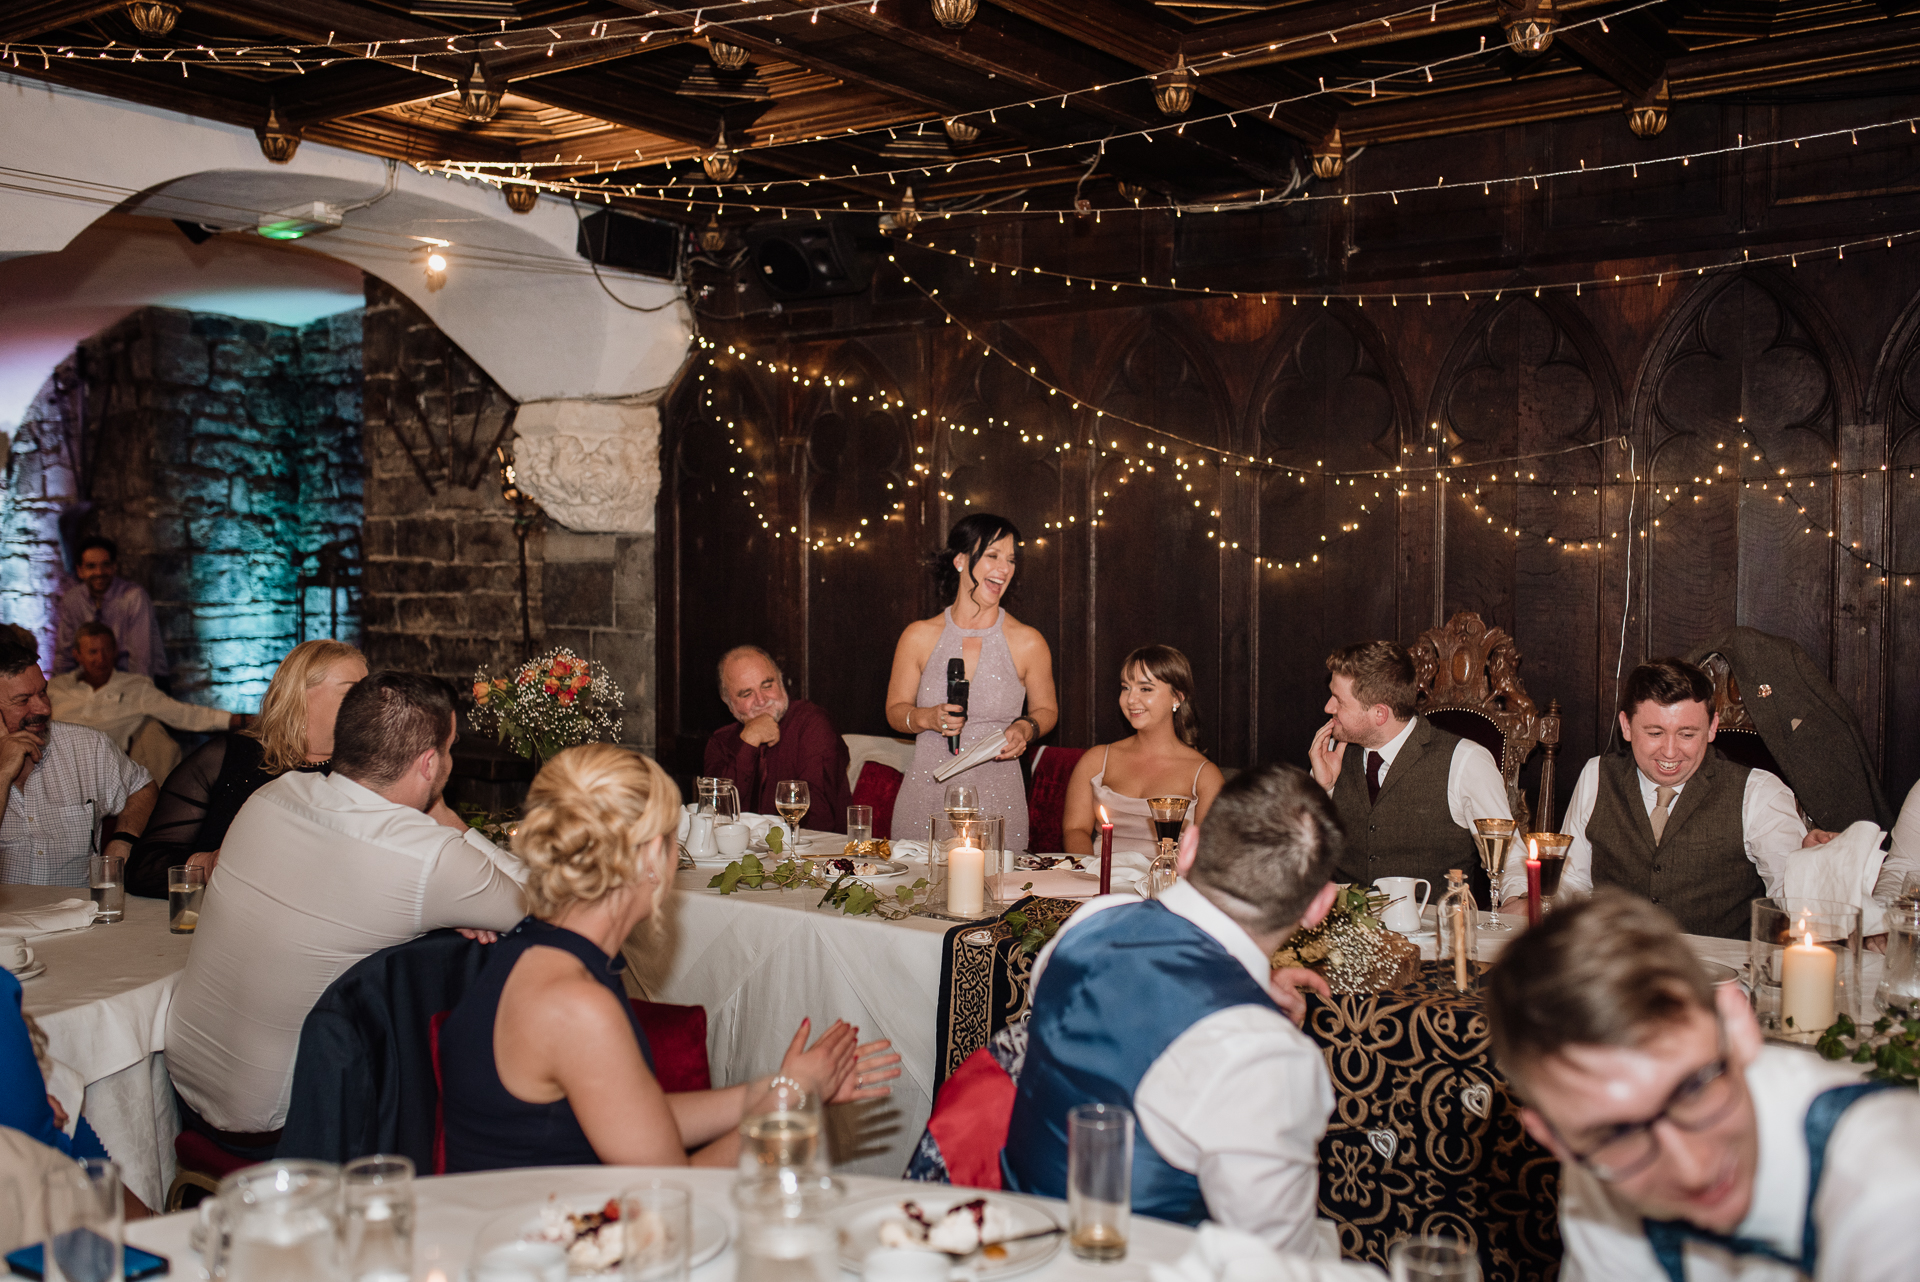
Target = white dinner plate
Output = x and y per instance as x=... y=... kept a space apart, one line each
x=711 y=1232
x=860 y=1229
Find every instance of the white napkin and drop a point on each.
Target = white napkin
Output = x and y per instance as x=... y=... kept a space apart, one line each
x=1228 y=1255
x=1844 y=871
x=68 y=914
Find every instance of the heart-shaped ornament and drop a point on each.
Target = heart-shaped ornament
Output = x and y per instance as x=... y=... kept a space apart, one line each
x=1384 y=1142
x=1478 y=1097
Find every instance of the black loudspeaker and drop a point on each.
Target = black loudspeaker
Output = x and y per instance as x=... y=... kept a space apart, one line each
x=615 y=238
x=805 y=259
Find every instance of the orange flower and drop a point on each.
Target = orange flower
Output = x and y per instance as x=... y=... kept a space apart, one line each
x=566 y=696
x=551 y=686
x=561 y=667
x=480 y=691
x=580 y=679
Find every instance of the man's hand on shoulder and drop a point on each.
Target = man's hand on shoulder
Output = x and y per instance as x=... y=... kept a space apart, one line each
x=1816 y=837
x=1286 y=984
x=443 y=815
x=762 y=732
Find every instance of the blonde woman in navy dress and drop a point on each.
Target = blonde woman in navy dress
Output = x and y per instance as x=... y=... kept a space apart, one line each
x=1008 y=663
x=1159 y=759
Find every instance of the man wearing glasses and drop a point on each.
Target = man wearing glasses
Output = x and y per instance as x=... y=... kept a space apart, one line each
x=1689 y=1150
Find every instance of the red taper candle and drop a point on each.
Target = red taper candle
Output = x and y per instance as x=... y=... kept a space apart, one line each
x=1533 y=882
x=1106 y=853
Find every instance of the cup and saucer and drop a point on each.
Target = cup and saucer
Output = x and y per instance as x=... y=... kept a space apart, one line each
x=20 y=960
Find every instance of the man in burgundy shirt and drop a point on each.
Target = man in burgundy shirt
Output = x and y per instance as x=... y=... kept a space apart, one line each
x=777 y=738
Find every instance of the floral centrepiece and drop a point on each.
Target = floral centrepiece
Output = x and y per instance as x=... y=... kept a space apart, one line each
x=548 y=704
x=1351 y=947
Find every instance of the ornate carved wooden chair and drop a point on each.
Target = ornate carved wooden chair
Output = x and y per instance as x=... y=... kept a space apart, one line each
x=1738 y=739
x=1469 y=679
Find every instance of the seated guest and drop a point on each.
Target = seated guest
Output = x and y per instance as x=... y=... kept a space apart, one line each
x=25 y=1104
x=294 y=732
x=102 y=596
x=544 y=1061
x=127 y=707
x=1409 y=793
x=62 y=781
x=1688 y=1150
x=1903 y=851
x=1670 y=819
x=317 y=872
x=777 y=738
x=1159 y=759
x=1169 y=1007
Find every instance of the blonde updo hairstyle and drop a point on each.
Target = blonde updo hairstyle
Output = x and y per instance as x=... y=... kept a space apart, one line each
x=589 y=816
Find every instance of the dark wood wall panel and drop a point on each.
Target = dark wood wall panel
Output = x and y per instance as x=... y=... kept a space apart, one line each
x=1649 y=424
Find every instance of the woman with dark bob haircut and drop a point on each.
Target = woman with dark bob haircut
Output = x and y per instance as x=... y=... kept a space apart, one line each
x=1007 y=662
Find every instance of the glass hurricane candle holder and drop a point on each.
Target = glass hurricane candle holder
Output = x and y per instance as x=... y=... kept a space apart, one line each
x=964 y=861
x=1803 y=966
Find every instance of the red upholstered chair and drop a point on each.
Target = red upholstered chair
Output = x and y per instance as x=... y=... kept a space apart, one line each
x=678 y=1037
x=1047 y=797
x=877 y=786
x=203 y=1164
x=971 y=1113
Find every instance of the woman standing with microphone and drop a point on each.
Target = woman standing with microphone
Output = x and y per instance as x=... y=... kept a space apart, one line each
x=1006 y=662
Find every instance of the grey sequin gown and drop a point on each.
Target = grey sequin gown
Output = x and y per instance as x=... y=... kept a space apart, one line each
x=994 y=700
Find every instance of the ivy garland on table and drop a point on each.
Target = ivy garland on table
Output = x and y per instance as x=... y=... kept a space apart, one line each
x=850 y=894
x=1892 y=1046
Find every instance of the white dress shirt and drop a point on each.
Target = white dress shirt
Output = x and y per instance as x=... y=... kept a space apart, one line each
x=53 y=824
x=1869 y=1190
x=316 y=873
x=1239 y=1100
x=1475 y=788
x=1770 y=824
x=118 y=708
x=1903 y=851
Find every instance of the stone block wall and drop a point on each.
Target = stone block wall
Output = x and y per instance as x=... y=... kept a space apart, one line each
x=223 y=457
x=444 y=588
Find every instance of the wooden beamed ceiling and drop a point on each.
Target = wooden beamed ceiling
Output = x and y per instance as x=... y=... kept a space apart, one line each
x=837 y=95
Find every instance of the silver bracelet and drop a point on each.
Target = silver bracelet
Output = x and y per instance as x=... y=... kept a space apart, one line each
x=778 y=1078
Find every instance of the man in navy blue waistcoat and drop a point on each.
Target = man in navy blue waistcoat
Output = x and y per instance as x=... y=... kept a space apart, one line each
x=1170 y=1008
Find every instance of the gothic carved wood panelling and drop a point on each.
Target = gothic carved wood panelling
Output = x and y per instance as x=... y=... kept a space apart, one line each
x=1326 y=401
x=1118 y=557
x=859 y=460
x=1529 y=379
x=1158 y=567
x=1896 y=403
x=1742 y=363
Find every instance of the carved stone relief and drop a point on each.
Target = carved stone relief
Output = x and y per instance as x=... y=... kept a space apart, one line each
x=594 y=466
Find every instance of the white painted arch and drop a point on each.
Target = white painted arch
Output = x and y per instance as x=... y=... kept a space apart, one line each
x=516 y=297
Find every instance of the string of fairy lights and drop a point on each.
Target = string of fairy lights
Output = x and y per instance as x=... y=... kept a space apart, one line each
x=1187 y=460
x=639 y=30
x=522 y=173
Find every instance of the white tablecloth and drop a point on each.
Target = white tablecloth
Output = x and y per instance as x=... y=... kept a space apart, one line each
x=103 y=1003
x=761 y=961
x=452 y=1210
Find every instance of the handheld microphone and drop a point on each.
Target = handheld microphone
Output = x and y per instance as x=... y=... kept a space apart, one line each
x=957 y=687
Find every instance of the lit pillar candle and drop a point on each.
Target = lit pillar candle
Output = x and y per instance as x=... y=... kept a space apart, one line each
x=966 y=879
x=1106 y=853
x=1806 y=986
x=1533 y=882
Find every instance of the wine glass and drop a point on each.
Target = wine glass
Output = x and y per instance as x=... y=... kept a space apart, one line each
x=1494 y=837
x=963 y=801
x=790 y=799
x=1168 y=814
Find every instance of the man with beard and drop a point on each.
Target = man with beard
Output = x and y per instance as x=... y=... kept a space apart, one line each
x=316 y=872
x=101 y=596
x=775 y=738
x=61 y=780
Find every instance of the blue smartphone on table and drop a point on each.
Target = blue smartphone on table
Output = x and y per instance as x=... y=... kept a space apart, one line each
x=31 y=1262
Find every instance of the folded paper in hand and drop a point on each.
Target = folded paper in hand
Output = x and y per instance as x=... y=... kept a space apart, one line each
x=1842 y=871
x=68 y=914
x=986 y=750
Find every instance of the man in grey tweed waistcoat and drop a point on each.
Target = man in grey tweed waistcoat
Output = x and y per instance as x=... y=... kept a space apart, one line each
x=1671 y=820
x=1406 y=791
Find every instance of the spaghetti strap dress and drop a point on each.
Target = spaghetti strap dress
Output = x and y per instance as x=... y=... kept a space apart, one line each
x=994 y=700
x=1132 y=820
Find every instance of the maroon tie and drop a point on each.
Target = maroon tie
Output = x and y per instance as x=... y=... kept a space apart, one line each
x=1374 y=762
